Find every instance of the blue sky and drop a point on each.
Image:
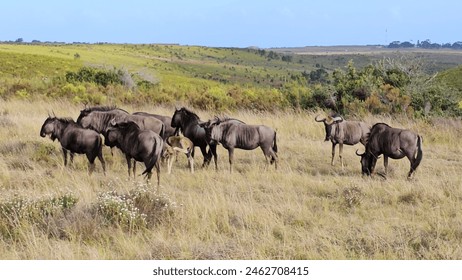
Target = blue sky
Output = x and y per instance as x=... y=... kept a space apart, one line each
x=233 y=23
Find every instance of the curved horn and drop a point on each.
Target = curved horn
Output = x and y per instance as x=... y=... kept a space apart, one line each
x=316 y=119
x=358 y=154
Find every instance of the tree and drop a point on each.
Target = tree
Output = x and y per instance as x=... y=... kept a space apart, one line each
x=319 y=76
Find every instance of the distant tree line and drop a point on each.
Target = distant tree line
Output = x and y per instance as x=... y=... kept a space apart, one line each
x=427 y=44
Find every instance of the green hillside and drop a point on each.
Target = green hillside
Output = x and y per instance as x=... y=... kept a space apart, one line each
x=350 y=82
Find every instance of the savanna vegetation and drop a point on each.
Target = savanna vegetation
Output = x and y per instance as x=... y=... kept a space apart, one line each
x=307 y=209
x=228 y=79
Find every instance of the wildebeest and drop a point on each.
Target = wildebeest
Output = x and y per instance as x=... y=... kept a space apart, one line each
x=140 y=144
x=393 y=143
x=86 y=120
x=339 y=131
x=98 y=119
x=175 y=144
x=232 y=133
x=188 y=122
x=169 y=130
x=75 y=139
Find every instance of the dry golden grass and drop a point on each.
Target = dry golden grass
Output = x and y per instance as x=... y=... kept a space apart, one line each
x=307 y=209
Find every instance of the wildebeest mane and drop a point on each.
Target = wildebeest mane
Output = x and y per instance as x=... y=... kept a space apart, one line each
x=102 y=109
x=190 y=114
x=226 y=119
x=377 y=124
x=66 y=120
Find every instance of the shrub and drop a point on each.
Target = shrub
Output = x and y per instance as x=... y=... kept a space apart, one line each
x=19 y=211
x=98 y=76
x=43 y=152
x=139 y=208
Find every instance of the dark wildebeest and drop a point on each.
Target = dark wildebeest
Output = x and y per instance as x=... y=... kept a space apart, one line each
x=188 y=122
x=339 y=131
x=169 y=130
x=75 y=139
x=393 y=143
x=140 y=144
x=232 y=133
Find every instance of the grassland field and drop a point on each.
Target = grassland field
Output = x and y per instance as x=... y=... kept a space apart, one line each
x=307 y=209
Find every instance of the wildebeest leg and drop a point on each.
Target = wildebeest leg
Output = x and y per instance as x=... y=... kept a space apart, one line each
x=385 y=163
x=274 y=158
x=333 y=153
x=191 y=163
x=192 y=151
x=91 y=162
x=213 y=148
x=412 y=169
x=268 y=156
x=134 y=168
x=373 y=163
x=101 y=159
x=340 y=152
x=65 y=156
x=231 y=157
x=158 y=173
x=72 y=157
x=170 y=159
x=205 y=155
x=190 y=160
x=91 y=167
x=129 y=164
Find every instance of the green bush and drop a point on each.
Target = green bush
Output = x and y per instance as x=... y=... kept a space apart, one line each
x=98 y=76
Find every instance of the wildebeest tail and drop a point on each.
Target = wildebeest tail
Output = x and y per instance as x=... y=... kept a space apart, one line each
x=275 y=145
x=162 y=132
x=419 y=154
x=153 y=157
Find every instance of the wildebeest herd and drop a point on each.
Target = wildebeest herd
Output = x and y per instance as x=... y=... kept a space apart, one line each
x=147 y=138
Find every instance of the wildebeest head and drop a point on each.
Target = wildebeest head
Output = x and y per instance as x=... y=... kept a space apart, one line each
x=84 y=119
x=116 y=131
x=113 y=134
x=96 y=118
x=211 y=135
x=177 y=117
x=184 y=117
x=48 y=128
x=328 y=123
x=83 y=113
x=368 y=161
